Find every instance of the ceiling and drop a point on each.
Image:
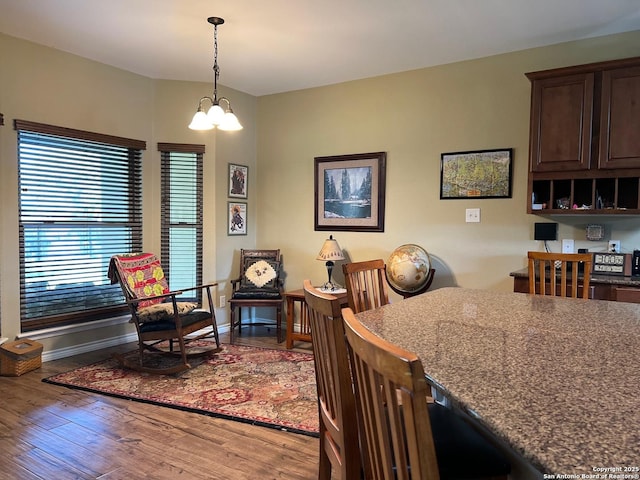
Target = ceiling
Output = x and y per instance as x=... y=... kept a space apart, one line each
x=273 y=46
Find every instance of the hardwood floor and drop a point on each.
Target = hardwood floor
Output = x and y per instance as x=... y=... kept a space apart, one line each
x=51 y=432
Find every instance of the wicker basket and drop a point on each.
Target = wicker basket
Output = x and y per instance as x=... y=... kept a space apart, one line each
x=19 y=357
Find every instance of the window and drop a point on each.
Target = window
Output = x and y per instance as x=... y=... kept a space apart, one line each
x=80 y=203
x=181 y=215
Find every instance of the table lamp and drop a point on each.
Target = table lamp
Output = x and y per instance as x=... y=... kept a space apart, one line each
x=329 y=252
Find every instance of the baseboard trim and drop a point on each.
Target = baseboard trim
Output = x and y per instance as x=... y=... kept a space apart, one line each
x=88 y=347
x=99 y=345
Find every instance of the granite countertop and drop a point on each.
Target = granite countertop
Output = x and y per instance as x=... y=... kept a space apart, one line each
x=604 y=279
x=555 y=378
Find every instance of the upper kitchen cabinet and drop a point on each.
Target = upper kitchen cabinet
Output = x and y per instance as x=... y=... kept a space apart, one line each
x=561 y=113
x=620 y=118
x=584 y=150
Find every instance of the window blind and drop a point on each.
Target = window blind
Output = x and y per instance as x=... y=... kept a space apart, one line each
x=181 y=216
x=80 y=203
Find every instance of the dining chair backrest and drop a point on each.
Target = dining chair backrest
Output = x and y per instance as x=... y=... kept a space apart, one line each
x=366 y=284
x=339 y=448
x=391 y=391
x=543 y=268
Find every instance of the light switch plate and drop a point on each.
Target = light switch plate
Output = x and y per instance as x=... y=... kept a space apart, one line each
x=568 y=245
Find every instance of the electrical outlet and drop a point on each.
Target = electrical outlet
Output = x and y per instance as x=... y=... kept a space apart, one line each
x=223 y=301
x=472 y=215
x=567 y=245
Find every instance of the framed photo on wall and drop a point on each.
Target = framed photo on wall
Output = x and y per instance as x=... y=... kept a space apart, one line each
x=238 y=178
x=237 y=223
x=476 y=174
x=350 y=192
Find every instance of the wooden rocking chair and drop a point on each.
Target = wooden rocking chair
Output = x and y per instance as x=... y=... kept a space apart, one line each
x=158 y=315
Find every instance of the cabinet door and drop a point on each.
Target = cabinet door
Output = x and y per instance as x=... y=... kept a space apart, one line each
x=620 y=119
x=561 y=122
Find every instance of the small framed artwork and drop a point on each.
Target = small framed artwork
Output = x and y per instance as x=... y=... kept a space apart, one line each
x=350 y=192
x=476 y=174
x=238 y=178
x=237 y=224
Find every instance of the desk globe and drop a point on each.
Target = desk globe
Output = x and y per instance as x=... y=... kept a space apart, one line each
x=409 y=270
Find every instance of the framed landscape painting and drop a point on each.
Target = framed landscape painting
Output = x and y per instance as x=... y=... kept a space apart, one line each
x=476 y=174
x=350 y=192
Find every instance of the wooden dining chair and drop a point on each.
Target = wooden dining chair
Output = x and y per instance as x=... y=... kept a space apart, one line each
x=339 y=447
x=366 y=284
x=544 y=279
x=402 y=436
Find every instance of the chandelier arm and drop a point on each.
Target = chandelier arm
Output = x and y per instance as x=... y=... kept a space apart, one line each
x=202 y=100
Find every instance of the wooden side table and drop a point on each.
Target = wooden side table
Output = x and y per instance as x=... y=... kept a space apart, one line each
x=297 y=308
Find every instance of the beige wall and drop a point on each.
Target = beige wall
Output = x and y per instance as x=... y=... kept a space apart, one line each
x=48 y=86
x=175 y=104
x=413 y=116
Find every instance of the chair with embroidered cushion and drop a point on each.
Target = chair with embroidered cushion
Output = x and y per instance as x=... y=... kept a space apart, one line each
x=543 y=269
x=258 y=285
x=402 y=435
x=366 y=284
x=158 y=315
x=339 y=446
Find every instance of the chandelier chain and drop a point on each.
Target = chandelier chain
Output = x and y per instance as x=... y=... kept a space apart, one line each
x=216 y=68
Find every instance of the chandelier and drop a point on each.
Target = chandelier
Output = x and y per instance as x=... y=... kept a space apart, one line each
x=223 y=119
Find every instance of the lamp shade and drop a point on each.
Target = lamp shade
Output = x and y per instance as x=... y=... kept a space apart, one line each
x=230 y=122
x=200 y=122
x=215 y=115
x=330 y=251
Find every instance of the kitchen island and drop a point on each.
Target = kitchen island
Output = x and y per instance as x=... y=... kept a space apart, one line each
x=556 y=379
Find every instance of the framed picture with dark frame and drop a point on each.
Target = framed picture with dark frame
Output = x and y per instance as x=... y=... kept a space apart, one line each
x=349 y=192
x=237 y=223
x=238 y=178
x=476 y=174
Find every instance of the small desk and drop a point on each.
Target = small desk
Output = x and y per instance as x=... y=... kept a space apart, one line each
x=554 y=378
x=297 y=307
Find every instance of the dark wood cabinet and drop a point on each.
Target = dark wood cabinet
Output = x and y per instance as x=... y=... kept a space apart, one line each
x=584 y=151
x=620 y=118
x=561 y=113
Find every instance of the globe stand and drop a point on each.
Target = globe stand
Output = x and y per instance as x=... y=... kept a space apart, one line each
x=422 y=289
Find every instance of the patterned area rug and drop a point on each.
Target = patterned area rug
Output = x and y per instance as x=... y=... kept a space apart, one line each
x=273 y=388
